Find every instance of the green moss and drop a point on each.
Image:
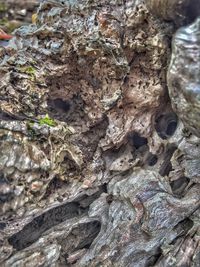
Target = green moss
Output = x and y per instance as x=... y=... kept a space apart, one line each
x=30 y=70
x=3 y=7
x=9 y=26
x=47 y=121
x=3 y=21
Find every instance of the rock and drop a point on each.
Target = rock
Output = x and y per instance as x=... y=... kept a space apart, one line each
x=96 y=168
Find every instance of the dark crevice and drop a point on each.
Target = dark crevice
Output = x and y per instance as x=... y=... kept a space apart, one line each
x=6 y=191
x=182 y=229
x=86 y=200
x=15 y=117
x=166 y=166
x=90 y=230
x=33 y=230
x=2 y=225
x=178 y=186
x=166 y=125
x=104 y=188
x=192 y=11
x=80 y=239
x=151 y=159
x=67 y=110
x=59 y=109
x=55 y=184
x=109 y=199
x=136 y=140
x=7 y=117
x=59 y=105
x=154 y=258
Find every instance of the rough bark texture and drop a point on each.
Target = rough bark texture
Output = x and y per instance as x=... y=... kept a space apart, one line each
x=15 y=13
x=110 y=177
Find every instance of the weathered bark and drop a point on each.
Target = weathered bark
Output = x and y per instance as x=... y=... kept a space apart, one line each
x=110 y=177
x=15 y=13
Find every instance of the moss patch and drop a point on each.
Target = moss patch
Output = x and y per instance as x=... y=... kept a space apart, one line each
x=30 y=70
x=3 y=7
x=47 y=121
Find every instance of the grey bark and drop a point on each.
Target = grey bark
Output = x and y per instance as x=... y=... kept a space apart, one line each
x=96 y=168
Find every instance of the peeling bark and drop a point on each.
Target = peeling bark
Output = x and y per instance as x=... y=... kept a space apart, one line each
x=96 y=168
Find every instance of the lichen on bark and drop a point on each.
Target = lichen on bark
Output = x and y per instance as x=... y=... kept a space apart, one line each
x=96 y=168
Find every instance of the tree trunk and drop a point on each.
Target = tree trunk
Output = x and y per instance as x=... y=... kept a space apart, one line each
x=96 y=168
